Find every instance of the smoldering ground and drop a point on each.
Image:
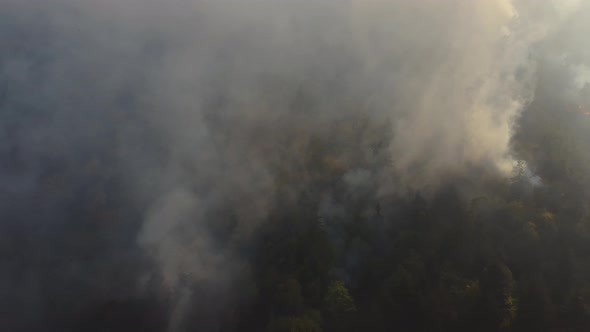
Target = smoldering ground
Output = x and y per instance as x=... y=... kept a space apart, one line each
x=144 y=141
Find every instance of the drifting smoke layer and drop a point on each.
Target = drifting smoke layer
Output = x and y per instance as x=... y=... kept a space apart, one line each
x=235 y=77
x=209 y=109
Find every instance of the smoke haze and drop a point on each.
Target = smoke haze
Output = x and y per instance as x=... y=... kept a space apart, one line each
x=200 y=118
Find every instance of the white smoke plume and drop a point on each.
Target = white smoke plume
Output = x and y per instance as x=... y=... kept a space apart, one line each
x=450 y=76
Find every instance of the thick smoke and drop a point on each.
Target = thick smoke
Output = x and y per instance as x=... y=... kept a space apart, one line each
x=209 y=114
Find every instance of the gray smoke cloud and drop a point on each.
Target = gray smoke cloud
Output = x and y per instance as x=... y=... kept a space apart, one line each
x=214 y=111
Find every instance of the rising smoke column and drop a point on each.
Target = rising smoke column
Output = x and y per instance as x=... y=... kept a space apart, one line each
x=451 y=77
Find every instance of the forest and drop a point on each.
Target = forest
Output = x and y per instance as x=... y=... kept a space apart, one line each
x=292 y=178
